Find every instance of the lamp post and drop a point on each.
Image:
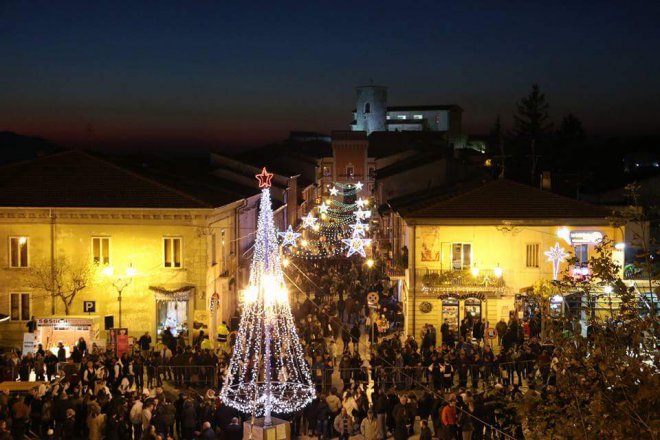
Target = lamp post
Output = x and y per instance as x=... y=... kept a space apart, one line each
x=120 y=283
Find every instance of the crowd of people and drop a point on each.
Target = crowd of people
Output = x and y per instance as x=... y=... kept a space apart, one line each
x=369 y=379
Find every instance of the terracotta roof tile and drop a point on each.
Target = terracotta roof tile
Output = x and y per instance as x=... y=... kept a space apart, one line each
x=78 y=179
x=500 y=199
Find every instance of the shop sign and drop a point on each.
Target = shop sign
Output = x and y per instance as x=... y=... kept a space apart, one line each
x=585 y=237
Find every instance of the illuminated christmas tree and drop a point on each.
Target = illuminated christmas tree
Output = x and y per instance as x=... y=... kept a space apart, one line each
x=268 y=372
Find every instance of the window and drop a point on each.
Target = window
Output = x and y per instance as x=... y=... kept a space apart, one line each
x=372 y=171
x=101 y=250
x=213 y=250
x=532 y=255
x=19 y=306
x=582 y=253
x=418 y=117
x=367 y=108
x=461 y=256
x=172 y=252
x=401 y=117
x=18 y=251
x=326 y=171
x=350 y=170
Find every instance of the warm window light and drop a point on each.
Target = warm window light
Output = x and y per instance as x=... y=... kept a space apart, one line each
x=620 y=246
x=498 y=272
x=22 y=240
x=474 y=271
x=370 y=263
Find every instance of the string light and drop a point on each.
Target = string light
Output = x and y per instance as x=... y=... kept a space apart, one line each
x=309 y=220
x=267 y=372
x=289 y=237
x=356 y=245
x=556 y=255
x=359 y=228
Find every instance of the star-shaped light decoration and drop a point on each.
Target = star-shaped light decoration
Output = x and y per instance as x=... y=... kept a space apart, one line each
x=556 y=255
x=358 y=186
x=356 y=245
x=323 y=208
x=359 y=228
x=361 y=214
x=289 y=237
x=334 y=191
x=309 y=220
x=360 y=202
x=264 y=178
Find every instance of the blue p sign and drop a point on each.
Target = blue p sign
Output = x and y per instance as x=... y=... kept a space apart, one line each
x=89 y=306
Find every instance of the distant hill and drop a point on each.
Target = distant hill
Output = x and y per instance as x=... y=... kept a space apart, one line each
x=15 y=147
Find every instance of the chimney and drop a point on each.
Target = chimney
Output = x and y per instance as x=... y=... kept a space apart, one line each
x=546 y=181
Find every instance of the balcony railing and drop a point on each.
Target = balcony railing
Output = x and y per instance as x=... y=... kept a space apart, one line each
x=447 y=281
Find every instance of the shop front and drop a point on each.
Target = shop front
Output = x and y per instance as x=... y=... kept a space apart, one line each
x=174 y=305
x=457 y=307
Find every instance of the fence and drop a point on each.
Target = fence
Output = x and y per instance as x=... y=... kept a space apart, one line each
x=419 y=377
x=190 y=376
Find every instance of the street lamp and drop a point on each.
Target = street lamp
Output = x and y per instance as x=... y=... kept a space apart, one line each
x=120 y=283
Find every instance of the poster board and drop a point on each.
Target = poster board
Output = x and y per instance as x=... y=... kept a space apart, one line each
x=29 y=343
x=118 y=338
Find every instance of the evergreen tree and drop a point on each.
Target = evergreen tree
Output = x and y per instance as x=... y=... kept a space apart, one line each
x=531 y=121
x=532 y=127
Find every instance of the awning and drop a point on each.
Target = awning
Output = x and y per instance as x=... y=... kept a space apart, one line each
x=173 y=291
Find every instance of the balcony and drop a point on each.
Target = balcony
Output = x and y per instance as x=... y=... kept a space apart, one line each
x=438 y=281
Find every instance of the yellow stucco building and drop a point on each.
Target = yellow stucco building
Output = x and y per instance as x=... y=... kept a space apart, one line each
x=477 y=249
x=167 y=250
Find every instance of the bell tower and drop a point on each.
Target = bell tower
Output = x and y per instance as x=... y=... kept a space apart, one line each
x=371 y=109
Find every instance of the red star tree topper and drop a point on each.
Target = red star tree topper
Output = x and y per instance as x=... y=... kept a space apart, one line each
x=264 y=178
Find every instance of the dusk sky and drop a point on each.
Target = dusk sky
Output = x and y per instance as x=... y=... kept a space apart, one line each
x=215 y=74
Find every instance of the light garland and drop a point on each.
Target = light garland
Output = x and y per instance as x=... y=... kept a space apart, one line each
x=556 y=255
x=309 y=221
x=359 y=228
x=356 y=244
x=267 y=372
x=289 y=237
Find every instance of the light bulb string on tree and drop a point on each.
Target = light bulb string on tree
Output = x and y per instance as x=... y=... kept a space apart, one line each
x=267 y=372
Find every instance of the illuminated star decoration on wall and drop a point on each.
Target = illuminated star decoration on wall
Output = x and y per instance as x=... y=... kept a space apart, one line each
x=264 y=178
x=309 y=221
x=289 y=237
x=359 y=228
x=360 y=202
x=556 y=255
x=323 y=208
x=358 y=186
x=334 y=191
x=356 y=245
x=362 y=214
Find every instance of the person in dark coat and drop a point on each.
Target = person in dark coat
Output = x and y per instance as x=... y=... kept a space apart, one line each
x=234 y=431
x=207 y=432
x=188 y=420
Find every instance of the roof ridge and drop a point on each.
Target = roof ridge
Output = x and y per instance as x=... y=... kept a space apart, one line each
x=146 y=179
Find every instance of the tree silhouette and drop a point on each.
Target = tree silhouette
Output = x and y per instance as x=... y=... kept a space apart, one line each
x=532 y=127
